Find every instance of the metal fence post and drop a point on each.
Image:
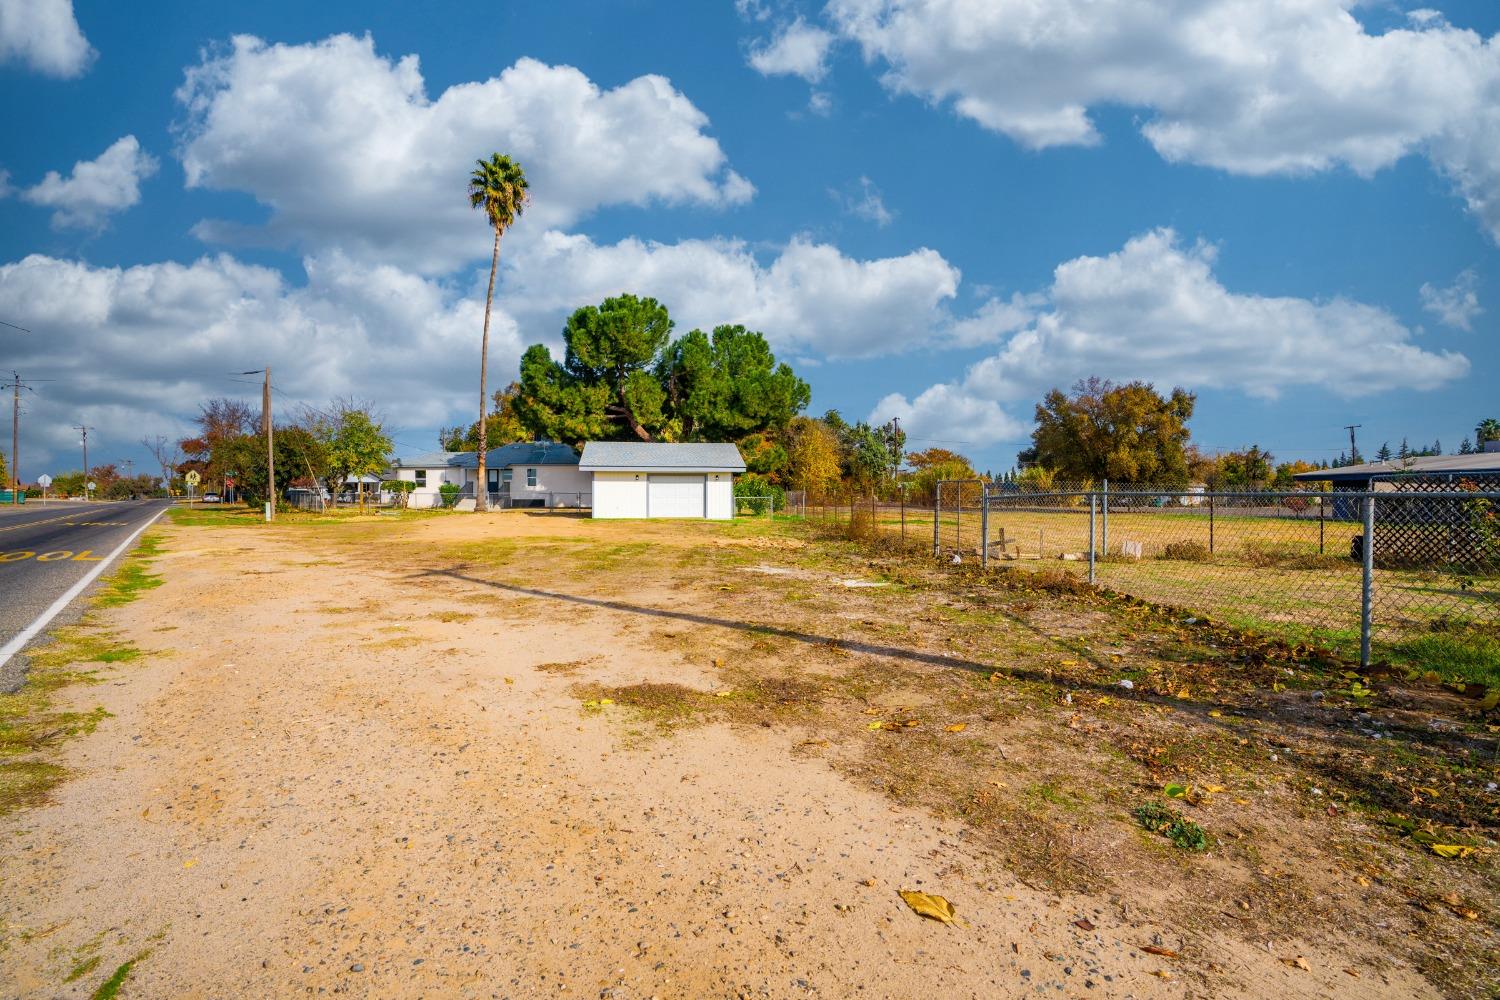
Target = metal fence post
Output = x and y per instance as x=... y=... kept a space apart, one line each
x=937 y=505
x=1104 y=522
x=1322 y=508
x=1093 y=516
x=1367 y=592
x=984 y=528
x=1210 y=524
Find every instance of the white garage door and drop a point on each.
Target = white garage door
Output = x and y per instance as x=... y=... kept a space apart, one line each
x=677 y=496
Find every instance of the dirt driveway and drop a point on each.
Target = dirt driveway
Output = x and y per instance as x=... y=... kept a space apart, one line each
x=523 y=756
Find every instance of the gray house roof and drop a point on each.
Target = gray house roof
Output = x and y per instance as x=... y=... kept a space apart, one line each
x=523 y=453
x=1431 y=465
x=426 y=460
x=634 y=456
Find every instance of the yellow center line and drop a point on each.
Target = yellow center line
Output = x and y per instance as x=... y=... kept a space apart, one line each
x=33 y=524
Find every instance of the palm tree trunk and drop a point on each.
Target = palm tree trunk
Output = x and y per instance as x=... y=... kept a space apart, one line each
x=482 y=487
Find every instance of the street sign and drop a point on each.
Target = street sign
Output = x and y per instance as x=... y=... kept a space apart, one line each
x=192 y=478
x=44 y=481
x=93 y=485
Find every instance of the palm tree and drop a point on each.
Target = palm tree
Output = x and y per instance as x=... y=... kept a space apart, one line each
x=497 y=185
x=1488 y=430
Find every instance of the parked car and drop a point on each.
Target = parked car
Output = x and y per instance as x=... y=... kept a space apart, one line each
x=212 y=498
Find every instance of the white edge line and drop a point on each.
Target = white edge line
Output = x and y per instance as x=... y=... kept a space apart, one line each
x=29 y=632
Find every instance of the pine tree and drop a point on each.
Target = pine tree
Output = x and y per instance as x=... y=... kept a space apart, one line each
x=1384 y=454
x=1466 y=448
x=1403 y=452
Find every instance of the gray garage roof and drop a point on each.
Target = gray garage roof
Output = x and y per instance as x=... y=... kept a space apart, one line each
x=633 y=456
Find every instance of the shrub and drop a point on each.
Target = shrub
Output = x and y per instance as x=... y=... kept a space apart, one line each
x=757 y=494
x=449 y=492
x=1186 y=551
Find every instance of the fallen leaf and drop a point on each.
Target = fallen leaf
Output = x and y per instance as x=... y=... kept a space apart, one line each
x=927 y=905
x=724 y=694
x=957 y=727
x=875 y=725
x=1215 y=714
x=912 y=722
x=1152 y=949
x=510 y=680
x=190 y=862
x=1176 y=791
x=1451 y=850
x=1297 y=963
x=1084 y=925
x=1214 y=789
x=1161 y=974
x=1352 y=972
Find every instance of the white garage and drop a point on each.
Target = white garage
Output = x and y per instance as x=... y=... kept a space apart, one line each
x=649 y=479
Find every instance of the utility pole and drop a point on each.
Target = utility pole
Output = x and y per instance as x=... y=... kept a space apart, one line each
x=265 y=424
x=86 y=491
x=15 y=440
x=265 y=417
x=1353 y=448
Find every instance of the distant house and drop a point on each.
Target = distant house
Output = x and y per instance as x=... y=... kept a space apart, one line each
x=649 y=479
x=531 y=474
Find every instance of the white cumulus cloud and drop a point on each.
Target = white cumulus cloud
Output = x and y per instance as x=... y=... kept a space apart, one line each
x=810 y=298
x=1457 y=305
x=96 y=189
x=166 y=335
x=347 y=149
x=1271 y=87
x=797 y=49
x=947 y=413
x=1154 y=310
x=43 y=35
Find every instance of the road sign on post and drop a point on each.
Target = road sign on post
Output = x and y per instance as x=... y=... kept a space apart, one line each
x=44 y=481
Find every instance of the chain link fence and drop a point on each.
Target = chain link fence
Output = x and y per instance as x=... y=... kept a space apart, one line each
x=1369 y=572
x=1356 y=569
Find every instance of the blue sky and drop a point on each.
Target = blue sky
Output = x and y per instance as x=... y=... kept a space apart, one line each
x=932 y=214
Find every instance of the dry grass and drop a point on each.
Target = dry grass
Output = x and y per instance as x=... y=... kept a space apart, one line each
x=1023 y=731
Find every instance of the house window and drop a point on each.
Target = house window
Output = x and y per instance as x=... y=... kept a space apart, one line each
x=421 y=477
x=493 y=475
x=505 y=477
x=531 y=479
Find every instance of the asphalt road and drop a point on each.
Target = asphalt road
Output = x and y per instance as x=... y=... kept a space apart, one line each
x=46 y=549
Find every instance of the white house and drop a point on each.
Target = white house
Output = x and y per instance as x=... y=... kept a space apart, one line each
x=647 y=479
x=533 y=474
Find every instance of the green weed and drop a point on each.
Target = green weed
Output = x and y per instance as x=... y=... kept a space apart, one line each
x=110 y=988
x=1183 y=833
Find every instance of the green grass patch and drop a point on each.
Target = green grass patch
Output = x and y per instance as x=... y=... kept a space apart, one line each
x=83 y=968
x=30 y=725
x=1468 y=655
x=133 y=577
x=110 y=988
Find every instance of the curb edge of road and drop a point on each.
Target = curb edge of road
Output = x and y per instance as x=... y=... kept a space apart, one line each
x=24 y=637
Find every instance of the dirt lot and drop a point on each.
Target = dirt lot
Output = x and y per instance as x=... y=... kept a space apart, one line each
x=524 y=755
